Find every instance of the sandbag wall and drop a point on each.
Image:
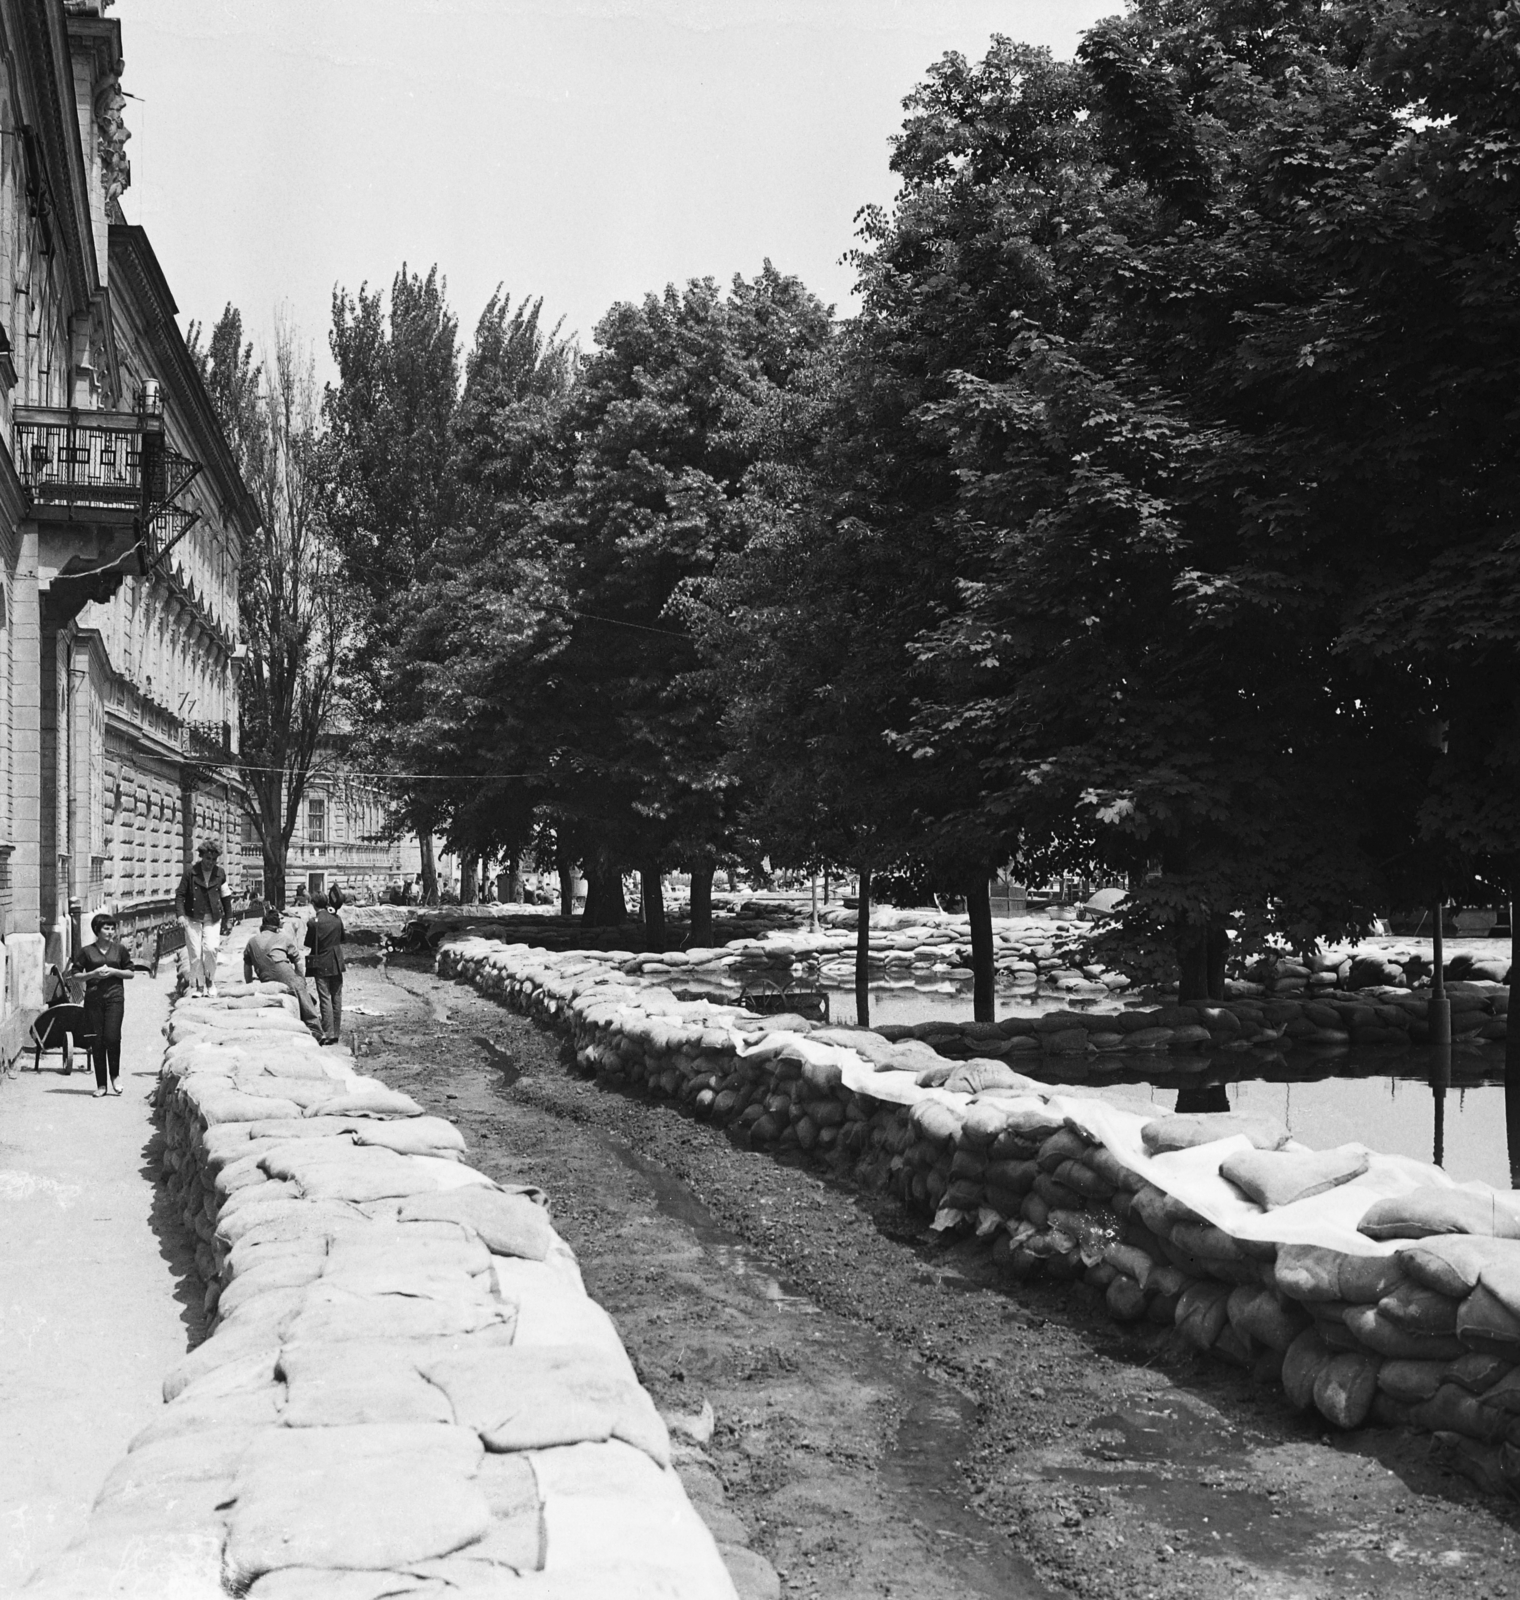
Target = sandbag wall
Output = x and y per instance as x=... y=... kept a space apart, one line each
x=1371 y=1288
x=406 y=1389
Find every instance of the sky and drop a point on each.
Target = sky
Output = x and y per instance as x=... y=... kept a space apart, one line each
x=587 y=151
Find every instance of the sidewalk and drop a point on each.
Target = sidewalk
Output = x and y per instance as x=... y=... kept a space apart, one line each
x=95 y=1304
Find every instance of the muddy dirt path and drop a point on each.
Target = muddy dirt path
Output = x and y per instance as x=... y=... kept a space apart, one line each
x=890 y=1419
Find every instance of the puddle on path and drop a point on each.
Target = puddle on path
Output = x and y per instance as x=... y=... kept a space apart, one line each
x=919 y=1471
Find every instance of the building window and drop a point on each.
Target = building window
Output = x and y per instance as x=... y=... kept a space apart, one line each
x=316 y=822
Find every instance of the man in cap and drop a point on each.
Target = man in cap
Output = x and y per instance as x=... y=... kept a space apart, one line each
x=204 y=908
x=270 y=956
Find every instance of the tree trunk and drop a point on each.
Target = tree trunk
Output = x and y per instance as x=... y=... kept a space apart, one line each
x=701 y=904
x=653 y=895
x=979 y=909
x=513 y=877
x=566 y=869
x=1511 y=1040
x=604 y=894
x=429 y=869
x=863 y=953
x=469 y=887
x=1192 y=963
x=274 y=870
x=1218 y=951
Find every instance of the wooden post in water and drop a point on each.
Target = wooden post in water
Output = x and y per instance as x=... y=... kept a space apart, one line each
x=1438 y=1013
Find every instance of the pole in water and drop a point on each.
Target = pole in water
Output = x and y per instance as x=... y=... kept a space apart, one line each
x=1440 y=1082
x=1438 y=1015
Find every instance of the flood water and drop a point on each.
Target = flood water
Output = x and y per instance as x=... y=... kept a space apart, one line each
x=1376 y=1096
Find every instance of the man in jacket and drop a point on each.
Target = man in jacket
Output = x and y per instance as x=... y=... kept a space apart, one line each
x=204 y=909
x=324 y=962
x=270 y=956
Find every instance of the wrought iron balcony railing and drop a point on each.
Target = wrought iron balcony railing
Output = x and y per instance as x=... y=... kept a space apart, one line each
x=110 y=466
x=206 y=741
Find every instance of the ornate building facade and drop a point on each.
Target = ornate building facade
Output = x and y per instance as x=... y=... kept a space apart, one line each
x=122 y=520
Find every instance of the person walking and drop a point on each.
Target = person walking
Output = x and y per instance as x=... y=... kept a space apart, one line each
x=105 y=965
x=324 y=961
x=204 y=909
x=270 y=956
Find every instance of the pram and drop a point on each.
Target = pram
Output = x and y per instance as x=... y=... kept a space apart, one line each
x=61 y=1025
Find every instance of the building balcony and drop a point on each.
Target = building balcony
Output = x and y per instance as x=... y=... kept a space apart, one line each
x=111 y=471
x=207 y=741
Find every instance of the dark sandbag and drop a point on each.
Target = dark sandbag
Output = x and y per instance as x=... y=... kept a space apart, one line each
x=1504 y=1395
x=1386 y=1338
x=1309 y=1272
x=1345 y=1388
x=1202 y=1313
x=1305 y=1359
x=1485 y=1323
x=1432 y=1209
x=1125 y=1299
x=1274 y=1178
x=1412 y=1381
x=1420 y=1310
x=1453 y=1263
x=1479 y=1372
x=1265 y=1318
x=1184 y=1132
x=1452 y=1409
x=1365 y=1280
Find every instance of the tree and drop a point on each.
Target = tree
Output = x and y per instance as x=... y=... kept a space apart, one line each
x=660 y=416
x=392 y=491
x=291 y=595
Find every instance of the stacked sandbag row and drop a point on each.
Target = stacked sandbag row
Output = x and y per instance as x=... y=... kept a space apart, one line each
x=1377 y=964
x=1479 y=1016
x=1424 y=1333
x=406 y=1389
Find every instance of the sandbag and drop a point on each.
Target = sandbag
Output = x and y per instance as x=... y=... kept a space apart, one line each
x=980 y=1073
x=1478 y=1372
x=372 y=1497
x=330 y=1170
x=361 y=1381
x=1345 y=1388
x=1308 y=1272
x=1386 y=1338
x=1504 y=1394
x=1412 y=1381
x=1305 y=1359
x=1364 y=1280
x=328 y=1313
x=1262 y=1316
x=1185 y=1132
x=1452 y=1263
x=1274 y=1178
x=1485 y=1323
x=508 y=1224
x=1202 y=1312
x=1453 y=1410
x=529 y=1398
x=1432 y=1209
x=1420 y=1310
x=410 y=1136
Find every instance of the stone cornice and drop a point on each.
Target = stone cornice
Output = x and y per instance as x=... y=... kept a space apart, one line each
x=133 y=258
x=45 y=49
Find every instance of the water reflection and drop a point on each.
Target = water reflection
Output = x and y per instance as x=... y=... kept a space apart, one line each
x=1440 y=1082
x=1512 y=1120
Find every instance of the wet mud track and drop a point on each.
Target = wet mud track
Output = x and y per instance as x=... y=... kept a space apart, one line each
x=891 y=1420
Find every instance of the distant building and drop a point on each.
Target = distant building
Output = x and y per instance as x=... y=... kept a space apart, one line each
x=339 y=838
x=122 y=520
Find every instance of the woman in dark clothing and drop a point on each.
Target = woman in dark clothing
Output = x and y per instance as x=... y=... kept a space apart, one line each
x=104 y=965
